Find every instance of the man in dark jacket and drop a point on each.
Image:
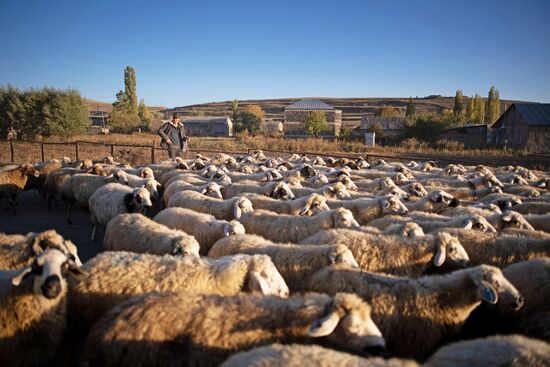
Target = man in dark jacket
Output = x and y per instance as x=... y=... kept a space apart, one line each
x=173 y=137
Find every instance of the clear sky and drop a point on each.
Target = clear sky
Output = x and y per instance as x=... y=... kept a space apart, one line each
x=187 y=52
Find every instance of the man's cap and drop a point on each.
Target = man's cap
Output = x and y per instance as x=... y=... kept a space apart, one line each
x=175 y=116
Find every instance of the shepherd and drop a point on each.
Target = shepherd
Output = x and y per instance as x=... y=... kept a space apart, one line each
x=173 y=137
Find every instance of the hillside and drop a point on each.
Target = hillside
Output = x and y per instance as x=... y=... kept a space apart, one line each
x=352 y=108
x=94 y=105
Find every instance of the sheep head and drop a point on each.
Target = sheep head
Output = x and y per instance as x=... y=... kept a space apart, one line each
x=315 y=204
x=417 y=189
x=242 y=205
x=338 y=190
x=346 y=180
x=49 y=270
x=391 y=204
x=512 y=219
x=441 y=200
x=221 y=178
x=396 y=191
x=412 y=229
x=281 y=191
x=152 y=185
x=233 y=228
x=493 y=287
x=342 y=255
x=347 y=322
x=449 y=250
x=185 y=246
x=121 y=177
x=140 y=200
x=212 y=190
x=343 y=218
x=40 y=242
x=146 y=172
x=29 y=170
x=307 y=171
x=479 y=223
x=264 y=278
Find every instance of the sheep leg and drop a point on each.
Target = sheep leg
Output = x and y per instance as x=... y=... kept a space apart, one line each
x=94 y=229
x=69 y=208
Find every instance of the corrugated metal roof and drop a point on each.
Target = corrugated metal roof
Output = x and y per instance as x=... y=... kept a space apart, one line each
x=535 y=113
x=309 y=104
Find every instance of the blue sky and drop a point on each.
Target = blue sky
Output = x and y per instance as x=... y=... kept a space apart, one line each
x=187 y=52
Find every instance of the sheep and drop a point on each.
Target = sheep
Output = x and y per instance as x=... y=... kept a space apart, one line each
x=297 y=355
x=306 y=205
x=415 y=189
x=17 y=251
x=486 y=248
x=525 y=233
x=13 y=181
x=539 y=221
x=80 y=187
x=112 y=199
x=294 y=262
x=203 y=330
x=336 y=190
x=229 y=209
x=144 y=172
x=114 y=277
x=522 y=190
x=54 y=181
x=33 y=309
x=276 y=190
x=269 y=175
x=210 y=189
x=149 y=183
x=499 y=350
x=533 y=208
x=415 y=315
x=472 y=221
x=37 y=183
x=435 y=202
x=474 y=194
x=284 y=228
x=137 y=233
x=398 y=255
x=509 y=219
x=407 y=229
x=204 y=227
x=365 y=210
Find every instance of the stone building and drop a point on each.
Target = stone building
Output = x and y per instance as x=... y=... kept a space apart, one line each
x=208 y=126
x=524 y=125
x=297 y=113
x=391 y=126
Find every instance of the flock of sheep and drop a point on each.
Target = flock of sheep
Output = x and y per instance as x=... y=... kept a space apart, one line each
x=258 y=261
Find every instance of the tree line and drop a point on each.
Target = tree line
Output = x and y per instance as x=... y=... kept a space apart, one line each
x=26 y=114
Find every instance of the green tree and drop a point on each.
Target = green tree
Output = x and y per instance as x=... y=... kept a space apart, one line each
x=247 y=121
x=130 y=88
x=479 y=110
x=235 y=108
x=316 y=123
x=459 y=106
x=470 y=110
x=388 y=111
x=492 y=110
x=144 y=114
x=123 y=121
x=411 y=110
x=12 y=110
x=257 y=110
x=425 y=128
x=377 y=129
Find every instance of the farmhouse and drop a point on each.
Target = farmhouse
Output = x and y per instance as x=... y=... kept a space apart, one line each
x=473 y=136
x=391 y=126
x=297 y=113
x=208 y=126
x=98 y=121
x=524 y=125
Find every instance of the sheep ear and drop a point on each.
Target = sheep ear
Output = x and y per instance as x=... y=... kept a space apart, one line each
x=16 y=280
x=468 y=224
x=36 y=246
x=237 y=212
x=385 y=204
x=440 y=255
x=507 y=217
x=75 y=270
x=204 y=191
x=258 y=283
x=226 y=230
x=488 y=293
x=304 y=209
x=324 y=326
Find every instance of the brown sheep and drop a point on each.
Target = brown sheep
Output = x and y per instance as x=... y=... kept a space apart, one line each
x=13 y=181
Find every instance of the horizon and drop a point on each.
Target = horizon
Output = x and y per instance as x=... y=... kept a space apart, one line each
x=217 y=52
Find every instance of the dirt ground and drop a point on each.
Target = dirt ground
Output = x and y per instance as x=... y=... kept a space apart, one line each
x=33 y=216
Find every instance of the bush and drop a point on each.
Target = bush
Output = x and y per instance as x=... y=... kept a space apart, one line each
x=413 y=144
x=247 y=121
x=316 y=123
x=451 y=145
x=425 y=128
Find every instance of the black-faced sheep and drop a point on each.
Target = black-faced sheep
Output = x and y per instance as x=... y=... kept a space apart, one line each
x=204 y=227
x=206 y=329
x=229 y=209
x=137 y=233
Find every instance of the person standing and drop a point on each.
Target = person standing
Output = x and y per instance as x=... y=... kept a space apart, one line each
x=174 y=137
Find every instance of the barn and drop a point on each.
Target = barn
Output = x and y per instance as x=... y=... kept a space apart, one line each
x=524 y=125
x=473 y=136
x=208 y=126
x=297 y=113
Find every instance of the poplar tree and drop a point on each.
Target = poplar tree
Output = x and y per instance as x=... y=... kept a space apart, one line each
x=479 y=110
x=411 y=110
x=130 y=88
x=458 y=107
x=470 y=110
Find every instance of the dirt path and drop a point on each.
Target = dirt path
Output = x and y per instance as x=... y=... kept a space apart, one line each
x=33 y=216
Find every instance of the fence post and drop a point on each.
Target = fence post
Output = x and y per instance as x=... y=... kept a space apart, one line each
x=112 y=151
x=153 y=153
x=76 y=150
x=11 y=152
x=42 y=150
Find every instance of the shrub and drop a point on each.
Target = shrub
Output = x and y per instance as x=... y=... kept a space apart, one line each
x=413 y=144
x=316 y=123
x=451 y=145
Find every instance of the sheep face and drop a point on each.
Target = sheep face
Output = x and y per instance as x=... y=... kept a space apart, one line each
x=185 y=246
x=281 y=191
x=242 y=205
x=511 y=219
x=246 y=169
x=264 y=277
x=49 y=270
x=441 y=200
x=140 y=201
x=492 y=180
x=478 y=223
x=343 y=218
x=314 y=205
x=273 y=175
x=338 y=190
x=51 y=239
x=307 y=171
x=362 y=163
x=417 y=189
x=319 y=179
x=146 y=172
x=346 y=181
x=391 y=204
x=403 y=178
x=319 y=161
x=197 y=165
x=97 y=170
x=493 y=287
x=412 y=229
x=386 y=182
x=29 y=170
x=506 y=203
x=120 y=177
x=230 y=163
x=86 y=164
x=209 y=171
x=396 y=191
x=212 y=190
x=233 y=228
x=221 y=178
x=294 y=182
x=342 y=255
x=152 y=185
x=450 y=251
x=348 y=323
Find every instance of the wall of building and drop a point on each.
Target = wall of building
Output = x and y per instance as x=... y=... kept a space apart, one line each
x=514 y=131
x=538 y=139
x=207 y=129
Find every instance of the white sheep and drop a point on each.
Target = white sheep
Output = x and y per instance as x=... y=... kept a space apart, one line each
x=539 y=222
x=435 y=202
x=276 y=190
x=284 y=228
x=204 y=227
x=306 y=205
x=210 y=189
x=365 y=210
x=33 y=310
x=509 y=219
x=228 y=209
x=113 y=199
x=137 y=233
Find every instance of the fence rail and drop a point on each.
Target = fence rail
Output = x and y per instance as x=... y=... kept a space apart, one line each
x=17 y=151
